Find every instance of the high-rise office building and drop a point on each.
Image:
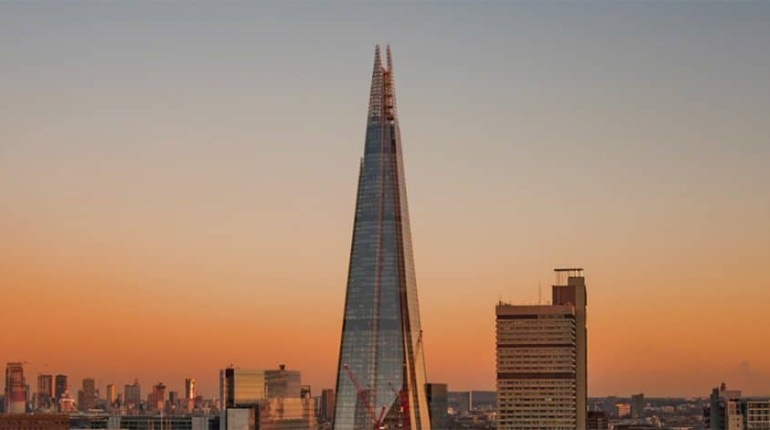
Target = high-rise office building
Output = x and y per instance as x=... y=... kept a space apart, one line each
x=132 y=395
x=15 y=392
x=189 y=388
x=61 y=386
x=326 y=406
x=637 y=405
x=246 y=387
x=264 y=399
x=45 y=391
x=381 y=362
x=112 y=395
x=283 y=383
x=724 y=410
x=241 y=387
x=87 y=395
x=438 y=403
x=541 y=378
x=157 y=398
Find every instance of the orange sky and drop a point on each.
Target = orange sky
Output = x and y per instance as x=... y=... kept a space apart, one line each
x=177 y=195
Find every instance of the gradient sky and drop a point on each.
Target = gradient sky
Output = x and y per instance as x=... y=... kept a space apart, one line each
x=177 y=183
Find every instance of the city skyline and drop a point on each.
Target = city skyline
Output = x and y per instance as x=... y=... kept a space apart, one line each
x=165 y=171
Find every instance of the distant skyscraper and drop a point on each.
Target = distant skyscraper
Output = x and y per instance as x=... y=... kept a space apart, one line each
x=157 y=398
x=541 y=375
x=15 y=395
x=87 y=395
x=326 y=406
x=189 y=388
x=283 y=383
x=637 y=405
x=381 y=358
x=61 y=386
x=132 y=395
x=112 y=396
x=438 y=403
x=45 y=391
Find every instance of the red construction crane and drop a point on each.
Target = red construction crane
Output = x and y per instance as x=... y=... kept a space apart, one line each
x=377 y=421
x=403 y=398
x=403 y=393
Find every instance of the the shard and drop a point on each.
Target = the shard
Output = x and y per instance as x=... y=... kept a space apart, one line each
x=381 y=370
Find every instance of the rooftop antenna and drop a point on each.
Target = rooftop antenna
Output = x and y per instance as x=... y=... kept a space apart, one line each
x=539 y=293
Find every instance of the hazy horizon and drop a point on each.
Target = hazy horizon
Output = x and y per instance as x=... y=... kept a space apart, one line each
x=178 y=183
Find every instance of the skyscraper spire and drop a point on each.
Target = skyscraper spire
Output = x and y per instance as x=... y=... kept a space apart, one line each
x=381 y=370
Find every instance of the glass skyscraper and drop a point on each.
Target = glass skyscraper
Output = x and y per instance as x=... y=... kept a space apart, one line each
x=381 y=370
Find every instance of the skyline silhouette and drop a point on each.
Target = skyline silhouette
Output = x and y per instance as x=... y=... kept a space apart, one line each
x=178 y=183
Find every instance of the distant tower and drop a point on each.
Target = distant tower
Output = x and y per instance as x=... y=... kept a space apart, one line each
x=45 y=391
x=189 y=388
x=381 y=365
x=132 y=395
x=157 y=397
x=87 y=396
x=61 y=386
x=637 y=405
x=541 y=359
x=15 y=396
x=111 y=394
x=326 y=406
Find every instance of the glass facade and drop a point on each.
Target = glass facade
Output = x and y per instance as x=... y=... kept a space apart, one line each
x=241 y=387
x=381 y=349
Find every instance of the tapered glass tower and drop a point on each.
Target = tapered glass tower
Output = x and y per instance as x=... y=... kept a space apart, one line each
x=381 y=373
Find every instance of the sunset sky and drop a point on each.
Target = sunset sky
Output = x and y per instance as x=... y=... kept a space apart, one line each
x=177 y=183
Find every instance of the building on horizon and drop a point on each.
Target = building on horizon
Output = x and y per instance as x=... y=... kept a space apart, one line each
x=326 y=406
x=271 y=399
x=438 y=404
x=157 y=397
x=239 y=387
x=190 y=393
x=44 y=398
x=61 y=386
x=283 y=383
x=132 y=395
x=729 y=410
x=87 y=395
x=381 y=362
x=637 y=405
x=111 y=395
x=15 y=389
x=190 y=389
x=541 y=359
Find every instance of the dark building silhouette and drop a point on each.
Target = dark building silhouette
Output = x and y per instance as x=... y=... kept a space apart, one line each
x=637 y=405
x=598 y=420
x=60 y=386
x=438 y=402
x=326 y=406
